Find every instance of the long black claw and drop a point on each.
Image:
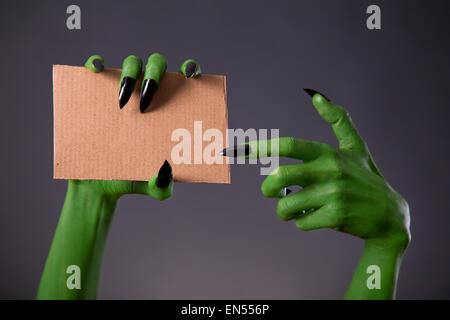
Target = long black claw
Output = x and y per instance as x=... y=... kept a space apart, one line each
x=284 y=192
x=148 y=90
x=190 y=69
x=126 y=89
x=236 y=151
x=312 y=92
x=164 y=175
x=98 y=65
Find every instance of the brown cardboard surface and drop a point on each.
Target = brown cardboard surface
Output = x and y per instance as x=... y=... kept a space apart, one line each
x=94 y=139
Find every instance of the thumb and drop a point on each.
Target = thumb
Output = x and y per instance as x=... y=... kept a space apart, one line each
x=340 y=121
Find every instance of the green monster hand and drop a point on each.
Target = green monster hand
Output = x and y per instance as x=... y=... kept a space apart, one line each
x=342 y=189
x=72 y=269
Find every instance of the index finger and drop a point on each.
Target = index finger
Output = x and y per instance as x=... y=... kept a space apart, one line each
x=284 y=147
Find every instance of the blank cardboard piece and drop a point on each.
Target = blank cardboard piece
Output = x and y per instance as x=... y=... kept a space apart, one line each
x=94 y=139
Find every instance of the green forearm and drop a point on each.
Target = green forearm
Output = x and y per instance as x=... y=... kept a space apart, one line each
x=88 y=210
x=79 y=240
x=377 y=271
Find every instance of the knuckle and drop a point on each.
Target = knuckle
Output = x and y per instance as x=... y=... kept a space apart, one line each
x=341 y=112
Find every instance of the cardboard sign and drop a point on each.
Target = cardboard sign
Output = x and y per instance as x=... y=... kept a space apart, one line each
x=95 y=139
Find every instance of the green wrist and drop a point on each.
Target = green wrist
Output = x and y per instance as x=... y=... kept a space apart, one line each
x=79 y=241
x=90 y=190
x=397 y=242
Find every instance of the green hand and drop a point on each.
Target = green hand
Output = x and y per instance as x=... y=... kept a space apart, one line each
x=89 y=206
x=342 y=189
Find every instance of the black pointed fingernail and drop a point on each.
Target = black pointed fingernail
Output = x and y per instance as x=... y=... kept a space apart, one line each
x=312 y=92
x=190 y=69
x=126 y=89
x=236 y=151
x=148 y=90
x=284 y=192
x=98 y=65
x=164 y=175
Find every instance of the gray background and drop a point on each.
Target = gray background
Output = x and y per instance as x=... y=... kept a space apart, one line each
x=226 y=241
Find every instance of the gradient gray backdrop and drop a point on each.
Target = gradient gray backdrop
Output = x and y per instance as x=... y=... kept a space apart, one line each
x=226 y=241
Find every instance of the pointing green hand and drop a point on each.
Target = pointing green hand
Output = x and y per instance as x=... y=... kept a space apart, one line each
x=342 y=189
